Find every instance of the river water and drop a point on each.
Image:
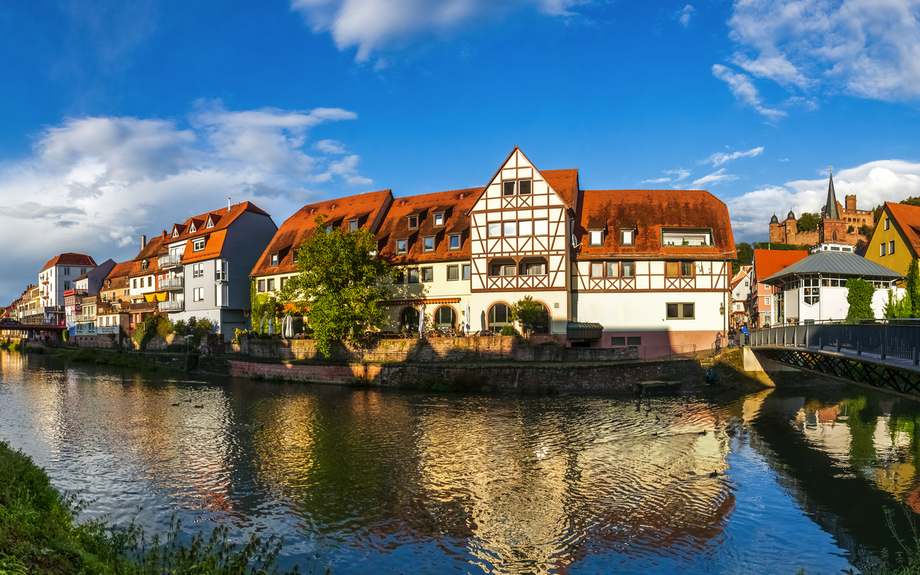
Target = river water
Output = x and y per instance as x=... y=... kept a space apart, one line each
x=370 y=481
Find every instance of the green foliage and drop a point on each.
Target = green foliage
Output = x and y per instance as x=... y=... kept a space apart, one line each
x=180 y=329
x=911 y=201
x=851 y=229
x=866 y=230
x=877 y=212
x=152 y=326
x=859 y=296
x=530 y=313
x=913 y=288
x=508 y=330
x=198 y=328
x=808 y=222
x=339 y=286
x=897 y=308
x=263 y=304
x=66 y=335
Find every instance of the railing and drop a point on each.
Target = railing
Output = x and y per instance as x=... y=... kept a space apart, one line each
x=898 y=338
x=172 y=305
x=172 y=283
x=169 y=261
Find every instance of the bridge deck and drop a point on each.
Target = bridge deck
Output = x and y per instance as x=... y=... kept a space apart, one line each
x=831 y=350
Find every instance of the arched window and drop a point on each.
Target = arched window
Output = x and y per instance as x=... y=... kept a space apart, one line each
x=499 y=315
x=542 y=325
x=409 y=319
x=445 y=316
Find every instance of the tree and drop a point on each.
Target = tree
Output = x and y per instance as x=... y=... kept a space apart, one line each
x=859 y=296
x=808 y=222
x=866 y=230
x=897 y=308
x=339 y=286
x=745 y=255
x=913 y=288
x=530 y=313
x=911 y=201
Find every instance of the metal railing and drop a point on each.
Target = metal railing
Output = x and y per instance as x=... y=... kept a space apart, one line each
x=172 y=283
x=172 y=305
x=898 y=338
x=169 y=261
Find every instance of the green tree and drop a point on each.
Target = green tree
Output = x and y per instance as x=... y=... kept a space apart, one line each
x=745 y=255
x=530 y=313
x=911 y=201
x=897 y=308
x=913 y=288
x=866 y=230
x=340 y=284
x=808 y=222
x=859 y=296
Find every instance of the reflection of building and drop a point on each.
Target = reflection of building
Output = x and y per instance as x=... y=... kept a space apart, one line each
x=838 y=224
x=609 y=267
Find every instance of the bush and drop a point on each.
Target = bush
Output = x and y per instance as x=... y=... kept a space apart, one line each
x=509 y=330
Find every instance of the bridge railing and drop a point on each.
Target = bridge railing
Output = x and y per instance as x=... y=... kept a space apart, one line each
x=884 y=337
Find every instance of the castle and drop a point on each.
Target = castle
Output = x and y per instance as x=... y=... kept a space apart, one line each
x=838 y=225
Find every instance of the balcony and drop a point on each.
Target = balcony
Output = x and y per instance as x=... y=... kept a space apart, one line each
x=170 y=261
x=172 y=305
x=175 y=283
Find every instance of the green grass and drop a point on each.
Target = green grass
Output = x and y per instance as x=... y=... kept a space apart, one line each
x=39 y=535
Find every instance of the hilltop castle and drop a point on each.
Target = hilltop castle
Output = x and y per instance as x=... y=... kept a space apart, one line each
x=838 y=225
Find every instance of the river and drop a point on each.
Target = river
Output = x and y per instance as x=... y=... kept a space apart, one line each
x=379 y=481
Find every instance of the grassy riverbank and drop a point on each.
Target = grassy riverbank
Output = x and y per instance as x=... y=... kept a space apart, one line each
x=115 y=358
x=39 y=535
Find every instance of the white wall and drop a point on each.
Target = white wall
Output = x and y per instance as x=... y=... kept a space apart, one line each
x=624 y=311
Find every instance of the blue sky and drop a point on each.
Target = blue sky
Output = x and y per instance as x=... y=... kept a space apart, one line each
x=118 y=118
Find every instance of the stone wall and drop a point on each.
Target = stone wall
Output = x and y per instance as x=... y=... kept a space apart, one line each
x=434 y=350
x=609 y=378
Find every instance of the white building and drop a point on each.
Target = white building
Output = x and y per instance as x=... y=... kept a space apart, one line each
x=57 y=277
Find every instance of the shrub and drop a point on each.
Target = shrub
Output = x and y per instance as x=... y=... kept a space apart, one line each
x=509 y=330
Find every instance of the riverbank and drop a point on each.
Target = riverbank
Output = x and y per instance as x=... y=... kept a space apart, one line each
x=40 y=535
x=146 y=361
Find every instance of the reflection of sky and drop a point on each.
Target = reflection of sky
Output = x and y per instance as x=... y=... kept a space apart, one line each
x=376 y=481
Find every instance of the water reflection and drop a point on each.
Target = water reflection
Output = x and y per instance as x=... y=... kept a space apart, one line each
x=377 y=481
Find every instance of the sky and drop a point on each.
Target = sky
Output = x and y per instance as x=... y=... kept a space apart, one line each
x=119 y=118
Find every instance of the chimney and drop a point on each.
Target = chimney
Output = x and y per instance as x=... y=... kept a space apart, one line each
x=143 y=242
x=228 y=204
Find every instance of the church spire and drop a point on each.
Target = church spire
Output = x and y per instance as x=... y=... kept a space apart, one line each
x=830 y=210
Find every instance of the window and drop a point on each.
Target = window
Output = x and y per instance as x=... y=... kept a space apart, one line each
x=439 y=219
x=198 y=294
x=353 y=226
x=67 y=285
x=524 y=187
x=465 y=271
x=629 y=269
x=499 y=315
x=445 y=316
x=508 y=188
x=613 y=269
x=617 y=340
x=220 y=273
x=413 y=221
x=428 y=244
x=296 y=255
x=175 y=233
x=495 y=229
x=409 y=318
x=428 y=274
x=634 y=340
x=887 y=223
x=66 y=271
x=401 y=246
x=811 y=291
x=192 y=228
x=209 y=224
x=329 y=228
x=198 y=245
x=509 y=229
x=149 y=281
x=891 y=247
x=627 y=237
x=274 y=260
x=597 y=269
x=453 y=242
x=595 y=237
x=686 y=236
x=525 y=228
x=680 y=310
x=502 y=269
x=261 y=286
x=271 y=285
x=540 y=227
x=533 y=268
x=135 y=283
x=399 y=277
x=413 y=276
x=679 y=269
x=881 y=248
x=197 y=270
x=453 y=273
x=766 y=301
x=282 y=282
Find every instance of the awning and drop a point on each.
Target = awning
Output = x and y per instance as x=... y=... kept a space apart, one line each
x=156 y=296
x=580 y=330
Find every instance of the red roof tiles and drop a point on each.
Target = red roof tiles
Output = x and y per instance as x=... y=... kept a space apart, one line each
x=70 y=259
x=907 y=219
x=768 y=262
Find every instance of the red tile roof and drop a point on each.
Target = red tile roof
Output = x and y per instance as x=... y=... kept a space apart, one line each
x=150 y=252
x=565 y=182
x=768 y=262
x=367 y=208
x=70 y=259
x=455 y=205
x=220 y=218
x=907 y=219
x=649 y=211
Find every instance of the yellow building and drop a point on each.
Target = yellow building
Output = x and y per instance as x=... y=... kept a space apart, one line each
x=895 y=241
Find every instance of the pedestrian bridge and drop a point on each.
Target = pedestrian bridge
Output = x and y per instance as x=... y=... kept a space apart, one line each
x=880 y=353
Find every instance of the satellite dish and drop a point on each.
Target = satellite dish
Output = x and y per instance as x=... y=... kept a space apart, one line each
x=575 y=243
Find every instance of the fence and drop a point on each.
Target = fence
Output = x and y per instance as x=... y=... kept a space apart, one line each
x=898 y=338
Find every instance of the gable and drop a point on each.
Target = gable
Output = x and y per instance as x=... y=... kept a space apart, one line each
x=519 y=185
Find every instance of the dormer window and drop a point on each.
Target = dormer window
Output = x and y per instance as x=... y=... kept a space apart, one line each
x=191 y=228
x=413 y=221
x=428 y=244
x=175 y=233
x=144 y=265
x=695 y=237
x=627 y=237
x=295 y=256
x=453 y=242
x=198 y=244
x=439 y=219
x=595 y=237
x=274 y=260
x=402 y=246
x=353 y=225
x=209 y=224
x=328 y=228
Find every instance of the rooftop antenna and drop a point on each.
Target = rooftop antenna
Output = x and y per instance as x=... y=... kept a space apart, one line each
x=228 y=204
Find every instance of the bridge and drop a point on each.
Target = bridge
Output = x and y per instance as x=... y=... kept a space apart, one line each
x=880 y=353
x=31 y=331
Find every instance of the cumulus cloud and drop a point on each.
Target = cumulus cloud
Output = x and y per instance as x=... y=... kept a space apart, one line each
x=373 y=25
x=95 y=184
x=868 y=49
x=873 y=183
x=672 y=176
x=713 y=179
x=744 y=90
x=683 y=16
x=720 y=158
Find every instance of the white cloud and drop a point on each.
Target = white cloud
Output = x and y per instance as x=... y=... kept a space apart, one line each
x=873 y=183
x=656 y=180
x=673 y=176
x=869 y=48
x=683 y=16
x=744 y=90
x=713 y=179
x=373 y=25
x=94 y=184
x=720 y=158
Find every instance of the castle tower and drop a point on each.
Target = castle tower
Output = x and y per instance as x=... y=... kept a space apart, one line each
x=832 y=229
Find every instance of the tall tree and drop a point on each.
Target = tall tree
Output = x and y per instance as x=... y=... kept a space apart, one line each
x=913 y=288
x=859 y=296
x=340 y=284
x=530 y=313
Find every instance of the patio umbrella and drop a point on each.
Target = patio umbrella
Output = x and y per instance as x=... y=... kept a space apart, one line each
x=262 y=323
x=271 y=326
x=466 y=324
x=287 y=326
x=421 y=321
